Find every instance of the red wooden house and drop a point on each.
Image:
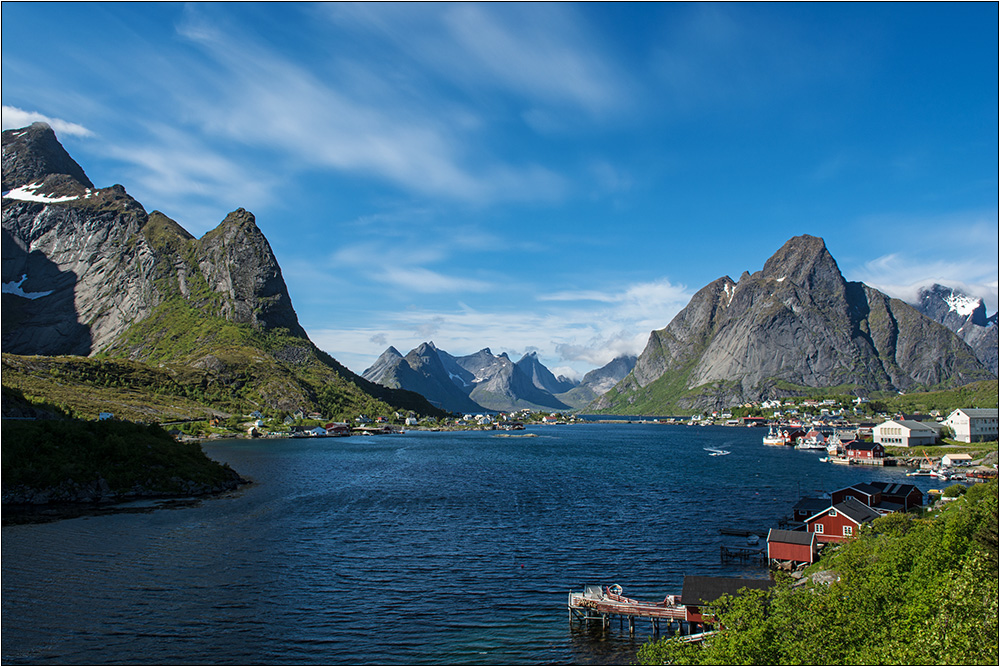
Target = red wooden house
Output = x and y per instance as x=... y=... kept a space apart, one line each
x=864 y=451
x=906 y=495
x=840 y=522
x=868 y=494
x=791 y=545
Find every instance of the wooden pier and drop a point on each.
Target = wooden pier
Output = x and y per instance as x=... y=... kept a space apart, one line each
x=604 y=604
x=743 y=554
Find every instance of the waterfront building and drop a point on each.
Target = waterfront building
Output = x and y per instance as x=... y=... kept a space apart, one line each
x=974 y=424
x=840 y=522
x=791 y=545
x=904 y=433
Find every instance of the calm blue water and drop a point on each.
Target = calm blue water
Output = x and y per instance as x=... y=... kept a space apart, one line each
x=456 y=548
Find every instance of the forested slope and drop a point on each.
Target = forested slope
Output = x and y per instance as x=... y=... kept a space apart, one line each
x=908 y=591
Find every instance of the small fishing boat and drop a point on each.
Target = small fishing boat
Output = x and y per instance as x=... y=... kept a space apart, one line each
x=714 y=451
x=773 y=437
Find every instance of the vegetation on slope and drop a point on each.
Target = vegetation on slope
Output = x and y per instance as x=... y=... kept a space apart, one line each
x=909 y=590
x=73 y=460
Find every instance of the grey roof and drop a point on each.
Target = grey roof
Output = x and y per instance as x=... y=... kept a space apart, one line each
x=811 y=504
x=856 y=511
x=699 y=590
x=865 y=488
x=912 y=425
x=790 y=536
x=980 y=412
x=893 y=489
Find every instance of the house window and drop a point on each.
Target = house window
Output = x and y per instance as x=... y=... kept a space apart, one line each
x=832 y=512
x=848 y=531
x=819 y=528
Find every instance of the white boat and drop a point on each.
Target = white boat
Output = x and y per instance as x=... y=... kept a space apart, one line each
x=753 y=540
x=773 y=437
x=812 y=440
x=714 y=451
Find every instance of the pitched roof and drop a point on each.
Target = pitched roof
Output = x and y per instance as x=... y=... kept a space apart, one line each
x=790 y=536
x=811 y=504
x=863 y=487
x=979 y=412
x=859 y=445
x=855 y=510
x=699 y=590
x=893 y=489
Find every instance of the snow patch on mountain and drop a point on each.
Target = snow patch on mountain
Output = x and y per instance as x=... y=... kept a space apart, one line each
x=961 y=304
x=27 y=193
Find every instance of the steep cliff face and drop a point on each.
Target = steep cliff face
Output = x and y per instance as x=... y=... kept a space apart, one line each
x=793 y=326
x=88 y=272
x=90 y=263
x=966 y=316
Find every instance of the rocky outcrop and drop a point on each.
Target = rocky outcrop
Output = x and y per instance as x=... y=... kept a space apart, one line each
x=598 y=381
x=966 y=316
x=88 y=272
x=542 y=377
x=794 y=326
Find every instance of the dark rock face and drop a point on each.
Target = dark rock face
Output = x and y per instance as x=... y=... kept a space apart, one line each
x=966 y=316
x=237 y=262
x=82 y=265
x=33 y=154
x=795 y=325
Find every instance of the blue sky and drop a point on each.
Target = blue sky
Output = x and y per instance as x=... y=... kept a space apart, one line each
x=558 y=178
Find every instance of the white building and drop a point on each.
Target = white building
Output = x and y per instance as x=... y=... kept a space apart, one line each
x=904 y=433
x=973 y=424
x=949 y=460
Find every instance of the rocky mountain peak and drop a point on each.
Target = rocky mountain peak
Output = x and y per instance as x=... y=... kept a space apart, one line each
x=33 y=154
x=805 y=261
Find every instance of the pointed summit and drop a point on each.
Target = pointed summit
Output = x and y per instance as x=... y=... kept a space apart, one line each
x=804 y=261
x=32 y=154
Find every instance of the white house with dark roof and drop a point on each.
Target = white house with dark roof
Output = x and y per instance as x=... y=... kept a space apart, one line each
x=904 y=433
x=974 y=424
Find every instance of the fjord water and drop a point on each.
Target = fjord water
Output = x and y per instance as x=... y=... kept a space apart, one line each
x=443 y=548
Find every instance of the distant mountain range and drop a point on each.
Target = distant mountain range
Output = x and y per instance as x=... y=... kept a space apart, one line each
x=485 y=382
x=791 y=329
x=87 y=272
x=966 y=316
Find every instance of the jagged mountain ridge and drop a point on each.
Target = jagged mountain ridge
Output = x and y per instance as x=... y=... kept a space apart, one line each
x=794 y=326
x=598 y=381
x=966 y=316
x=476 y=382
x=87 y=272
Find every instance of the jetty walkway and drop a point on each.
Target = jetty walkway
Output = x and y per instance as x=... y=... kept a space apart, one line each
x=602 y=604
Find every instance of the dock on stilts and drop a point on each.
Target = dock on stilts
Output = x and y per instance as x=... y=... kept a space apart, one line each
x=743 y=554
x=603 y=604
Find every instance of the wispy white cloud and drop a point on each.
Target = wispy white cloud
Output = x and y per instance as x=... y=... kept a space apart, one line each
x=570 y=333
x=957 y=250
x=545 y=55
x=316 y=118
x=14 y=118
